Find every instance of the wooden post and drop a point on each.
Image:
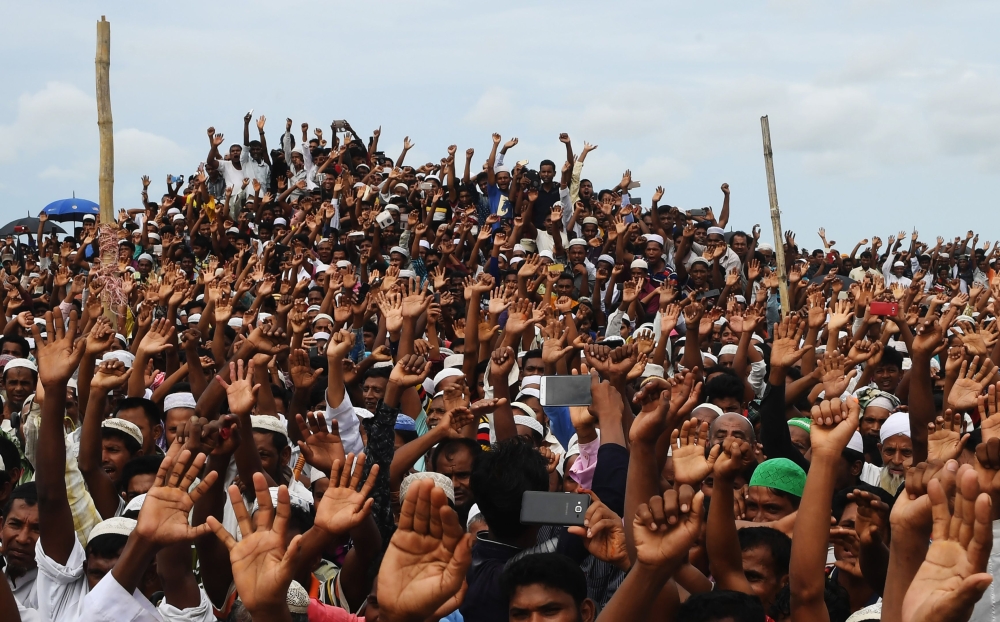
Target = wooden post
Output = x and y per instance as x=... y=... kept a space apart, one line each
x=772 y=194
x=104 y=124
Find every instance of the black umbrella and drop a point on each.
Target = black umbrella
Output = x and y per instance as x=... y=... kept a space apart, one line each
x=30 y=225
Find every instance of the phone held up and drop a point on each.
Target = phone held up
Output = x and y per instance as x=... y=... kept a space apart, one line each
x=553 y=508
x=565 y=390
x=878 y=307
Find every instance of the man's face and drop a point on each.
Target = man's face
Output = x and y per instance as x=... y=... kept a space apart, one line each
x=866 y=261
x=537 y=602
x=699 y=274
x=458 y=466
x=739 y=244
x=872 y=420
x=589 y=232
x=533 y=367
x=763 y=505
x=577 y=254
x=435 y=410
x=96 y=567
x=848 y=520
x=728 y=425
x=139 y=485
x=564 y=287
x=325 y=252
x=546 y=173
x=270 y=457
x=139 y=418
x=396 y=260
x=114 y=455
x=730 y=405
x=18 y=536
x=234 y=153
x=173 y=418
x=586 y=189
x=652 y=252
x=372 y=391
x=503 y=180
x=897 y=454
x=758 y=566
x=19 y=383
x=887 y=377
x=13 y=349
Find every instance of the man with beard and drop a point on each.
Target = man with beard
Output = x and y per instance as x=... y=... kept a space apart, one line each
x=19 y=379
x=454 y=458
x=18 y=534
x=896 y=449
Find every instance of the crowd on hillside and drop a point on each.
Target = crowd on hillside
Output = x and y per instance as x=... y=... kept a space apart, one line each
x=313 y=381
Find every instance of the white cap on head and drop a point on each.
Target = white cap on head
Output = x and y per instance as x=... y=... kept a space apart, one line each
x=899 y=264
x=123 y=426
x=547 y=255
x=856 y=443
x=577 y=242
x=323 y=316
x=526 y=421
x=639 y=263
x=448 y=372
x=343 y=263
x=716 y=231
x=654 y=237
x=124 y=356
x=25 y=363
x=728 y=349
x=268 y=423
x=607 y=258
x=235 y=322
x=178 y=400
x=145 y=256
x=115 y=526
x=897 y=423
x=280 y=221
x=194 y=318
x=652 y=370
x=136 y=503
x=321 y=336
x=530 y=380
x=473 y=513
x=440 y=480
x=399 y=249
x=297 y=599
x=455 y=360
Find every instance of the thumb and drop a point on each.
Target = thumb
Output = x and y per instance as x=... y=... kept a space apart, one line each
x=798 y=354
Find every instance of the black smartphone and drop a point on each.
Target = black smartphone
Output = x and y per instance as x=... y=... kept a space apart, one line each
x=565 y=390
x=712 y=293
x=700 y=211
x=553 y=508
x=363 y=292
x=635 y=200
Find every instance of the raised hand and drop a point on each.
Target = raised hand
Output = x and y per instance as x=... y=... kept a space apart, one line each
x=263 y=565
x=58 y=357
x=691 y=463
x=945 y=437
x=159 y=338
x=241 y=391
x=834 y=422
x=667 y=527
x=410 y=370
x=953 y=576
x=787 y=334
x=344 y=505
x=110 y=375
x=602 y=533
x=423 y=570
x=163 y=519
x=321 y=446
x=972 y=380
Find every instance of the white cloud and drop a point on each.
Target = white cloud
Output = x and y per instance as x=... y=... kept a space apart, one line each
x=46 y=120
x=492 y=109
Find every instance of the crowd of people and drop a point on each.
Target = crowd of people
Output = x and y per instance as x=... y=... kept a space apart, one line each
x=306 y=383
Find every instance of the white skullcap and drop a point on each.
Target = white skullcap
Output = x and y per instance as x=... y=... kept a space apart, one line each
x=383 y=365
x=343 y=263
x=136 y=503
x=178 y=217
x=448 y=372
x=407 y=274
x=123 y=426
x=856 y=443
x=173 y=211
x=710 y=406
x=882 y=402
x=232 y=230
x=124 y=356
x=178 y=400
x=25 y=363
x=194 y=318
x=295 y=498
x=455 y=360
x=399 y=249
x=235 y=322
x=424 y=244
x=263 y=316
x=608 y=258
x=527 y=421
x=531 y=392
x=765 y=247
x=728 y=349
x=639 y=263
x=654 y=237
x=440 y=480
x=115 y=526
x=297 y=599
x=323 y=316
x=716 y=231
x=710 y=357
x=268 y=423
x=577 y=242
x=474 y=513
x=146 y=256
x=590 y=220
x=516 y=260
x=530 y=380
x=899 y=264
x=518 y=248
x=547 y=254
x=897 y=423
x=280 y=221
x=325 y=336
x=652 y=370
x=312 y=308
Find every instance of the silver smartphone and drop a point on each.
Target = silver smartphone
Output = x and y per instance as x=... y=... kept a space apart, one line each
x=565 y=390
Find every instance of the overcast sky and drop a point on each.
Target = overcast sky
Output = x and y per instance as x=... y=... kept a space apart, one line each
x=884 y=114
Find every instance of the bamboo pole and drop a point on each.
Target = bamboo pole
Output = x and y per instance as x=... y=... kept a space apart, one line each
x=104 y=123
x=772 y=194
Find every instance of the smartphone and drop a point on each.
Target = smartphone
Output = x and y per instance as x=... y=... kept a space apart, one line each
x=712 y=293
x=340 y=125
x=700 y=211
x=554 y=508
x=426 y=185
x=522 y=163
x=565 y=390
x=635 y=200
x=250 y=114
x=633 y=184
x=557 y=268
x=356 y=235
x=384 y=219
x=878 y=307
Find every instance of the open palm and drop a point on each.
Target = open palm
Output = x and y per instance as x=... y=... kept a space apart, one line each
x=343 y=506
x=691 y=464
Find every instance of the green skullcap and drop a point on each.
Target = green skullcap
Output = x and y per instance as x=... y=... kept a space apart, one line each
x=801 y=422
x=780 y=474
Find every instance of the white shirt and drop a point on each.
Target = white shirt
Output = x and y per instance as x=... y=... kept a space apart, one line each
x=24 y=589
x=350 y=425
x=61 y=587
x=109 y=602
x=201 y=613
x=232 y=176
